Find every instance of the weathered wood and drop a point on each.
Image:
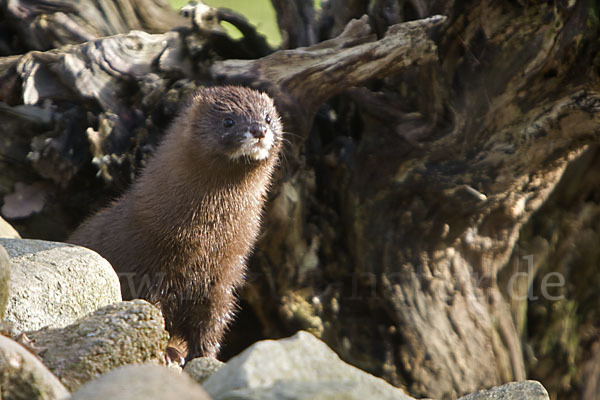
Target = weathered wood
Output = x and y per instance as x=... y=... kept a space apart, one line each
x=47 y=24
x=337 y=13
x=100 y=73
x=559 y=322
x=302 y=79
x=296 y=20
x=207 y=21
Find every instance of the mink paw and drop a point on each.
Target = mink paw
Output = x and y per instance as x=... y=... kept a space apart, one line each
x=173 y=356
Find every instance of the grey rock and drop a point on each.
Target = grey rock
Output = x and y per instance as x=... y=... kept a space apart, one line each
x=7 y=231
x=24 y=377
x=305 y=391
x=4 y=280
x=201 y=368
x=525 y=390
x=53 y=284
x=130 y=332
x=141 y=382
x=300 y=367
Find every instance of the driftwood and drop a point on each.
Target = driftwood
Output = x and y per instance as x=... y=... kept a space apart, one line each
x=46 y=24
x=303 y=79
x=296 y=19
x=428 y=162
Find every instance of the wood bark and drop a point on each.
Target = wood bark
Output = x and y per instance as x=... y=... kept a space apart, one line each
x=296 y=19
x=47 y=24
x=559 y=323
x=428 y=162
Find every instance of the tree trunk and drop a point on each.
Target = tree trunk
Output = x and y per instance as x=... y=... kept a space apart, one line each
x=438 y=172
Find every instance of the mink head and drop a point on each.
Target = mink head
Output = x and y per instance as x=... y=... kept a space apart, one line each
x=236 y=123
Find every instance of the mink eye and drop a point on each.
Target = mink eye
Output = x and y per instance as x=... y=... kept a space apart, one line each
x=228 y=122
x=268 y=119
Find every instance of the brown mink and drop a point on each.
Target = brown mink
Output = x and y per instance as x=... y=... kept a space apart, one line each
x=180 y=235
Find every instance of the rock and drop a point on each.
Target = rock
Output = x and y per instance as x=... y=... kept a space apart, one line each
x=4 y=280
x=53 y=284
x=525 y=390
x=300 y=367
x=201 y=368
x=7 y=231
x=130 y=332
x=24 y=377
x=141 y=382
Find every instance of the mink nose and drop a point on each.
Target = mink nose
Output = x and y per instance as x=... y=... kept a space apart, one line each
x=258 y=130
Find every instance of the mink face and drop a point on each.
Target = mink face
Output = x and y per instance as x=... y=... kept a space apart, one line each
x=238 y=125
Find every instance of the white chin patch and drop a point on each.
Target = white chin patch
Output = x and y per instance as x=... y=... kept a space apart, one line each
x=253 y=148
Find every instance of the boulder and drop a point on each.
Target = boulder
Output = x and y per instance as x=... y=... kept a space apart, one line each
x=201 y=368
x=300 y=367
x=24 y=377
x=7 y=231
x=525 y=390
x=4 y=280
x=130 y=332
x=53 y=284
x=141 y=382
